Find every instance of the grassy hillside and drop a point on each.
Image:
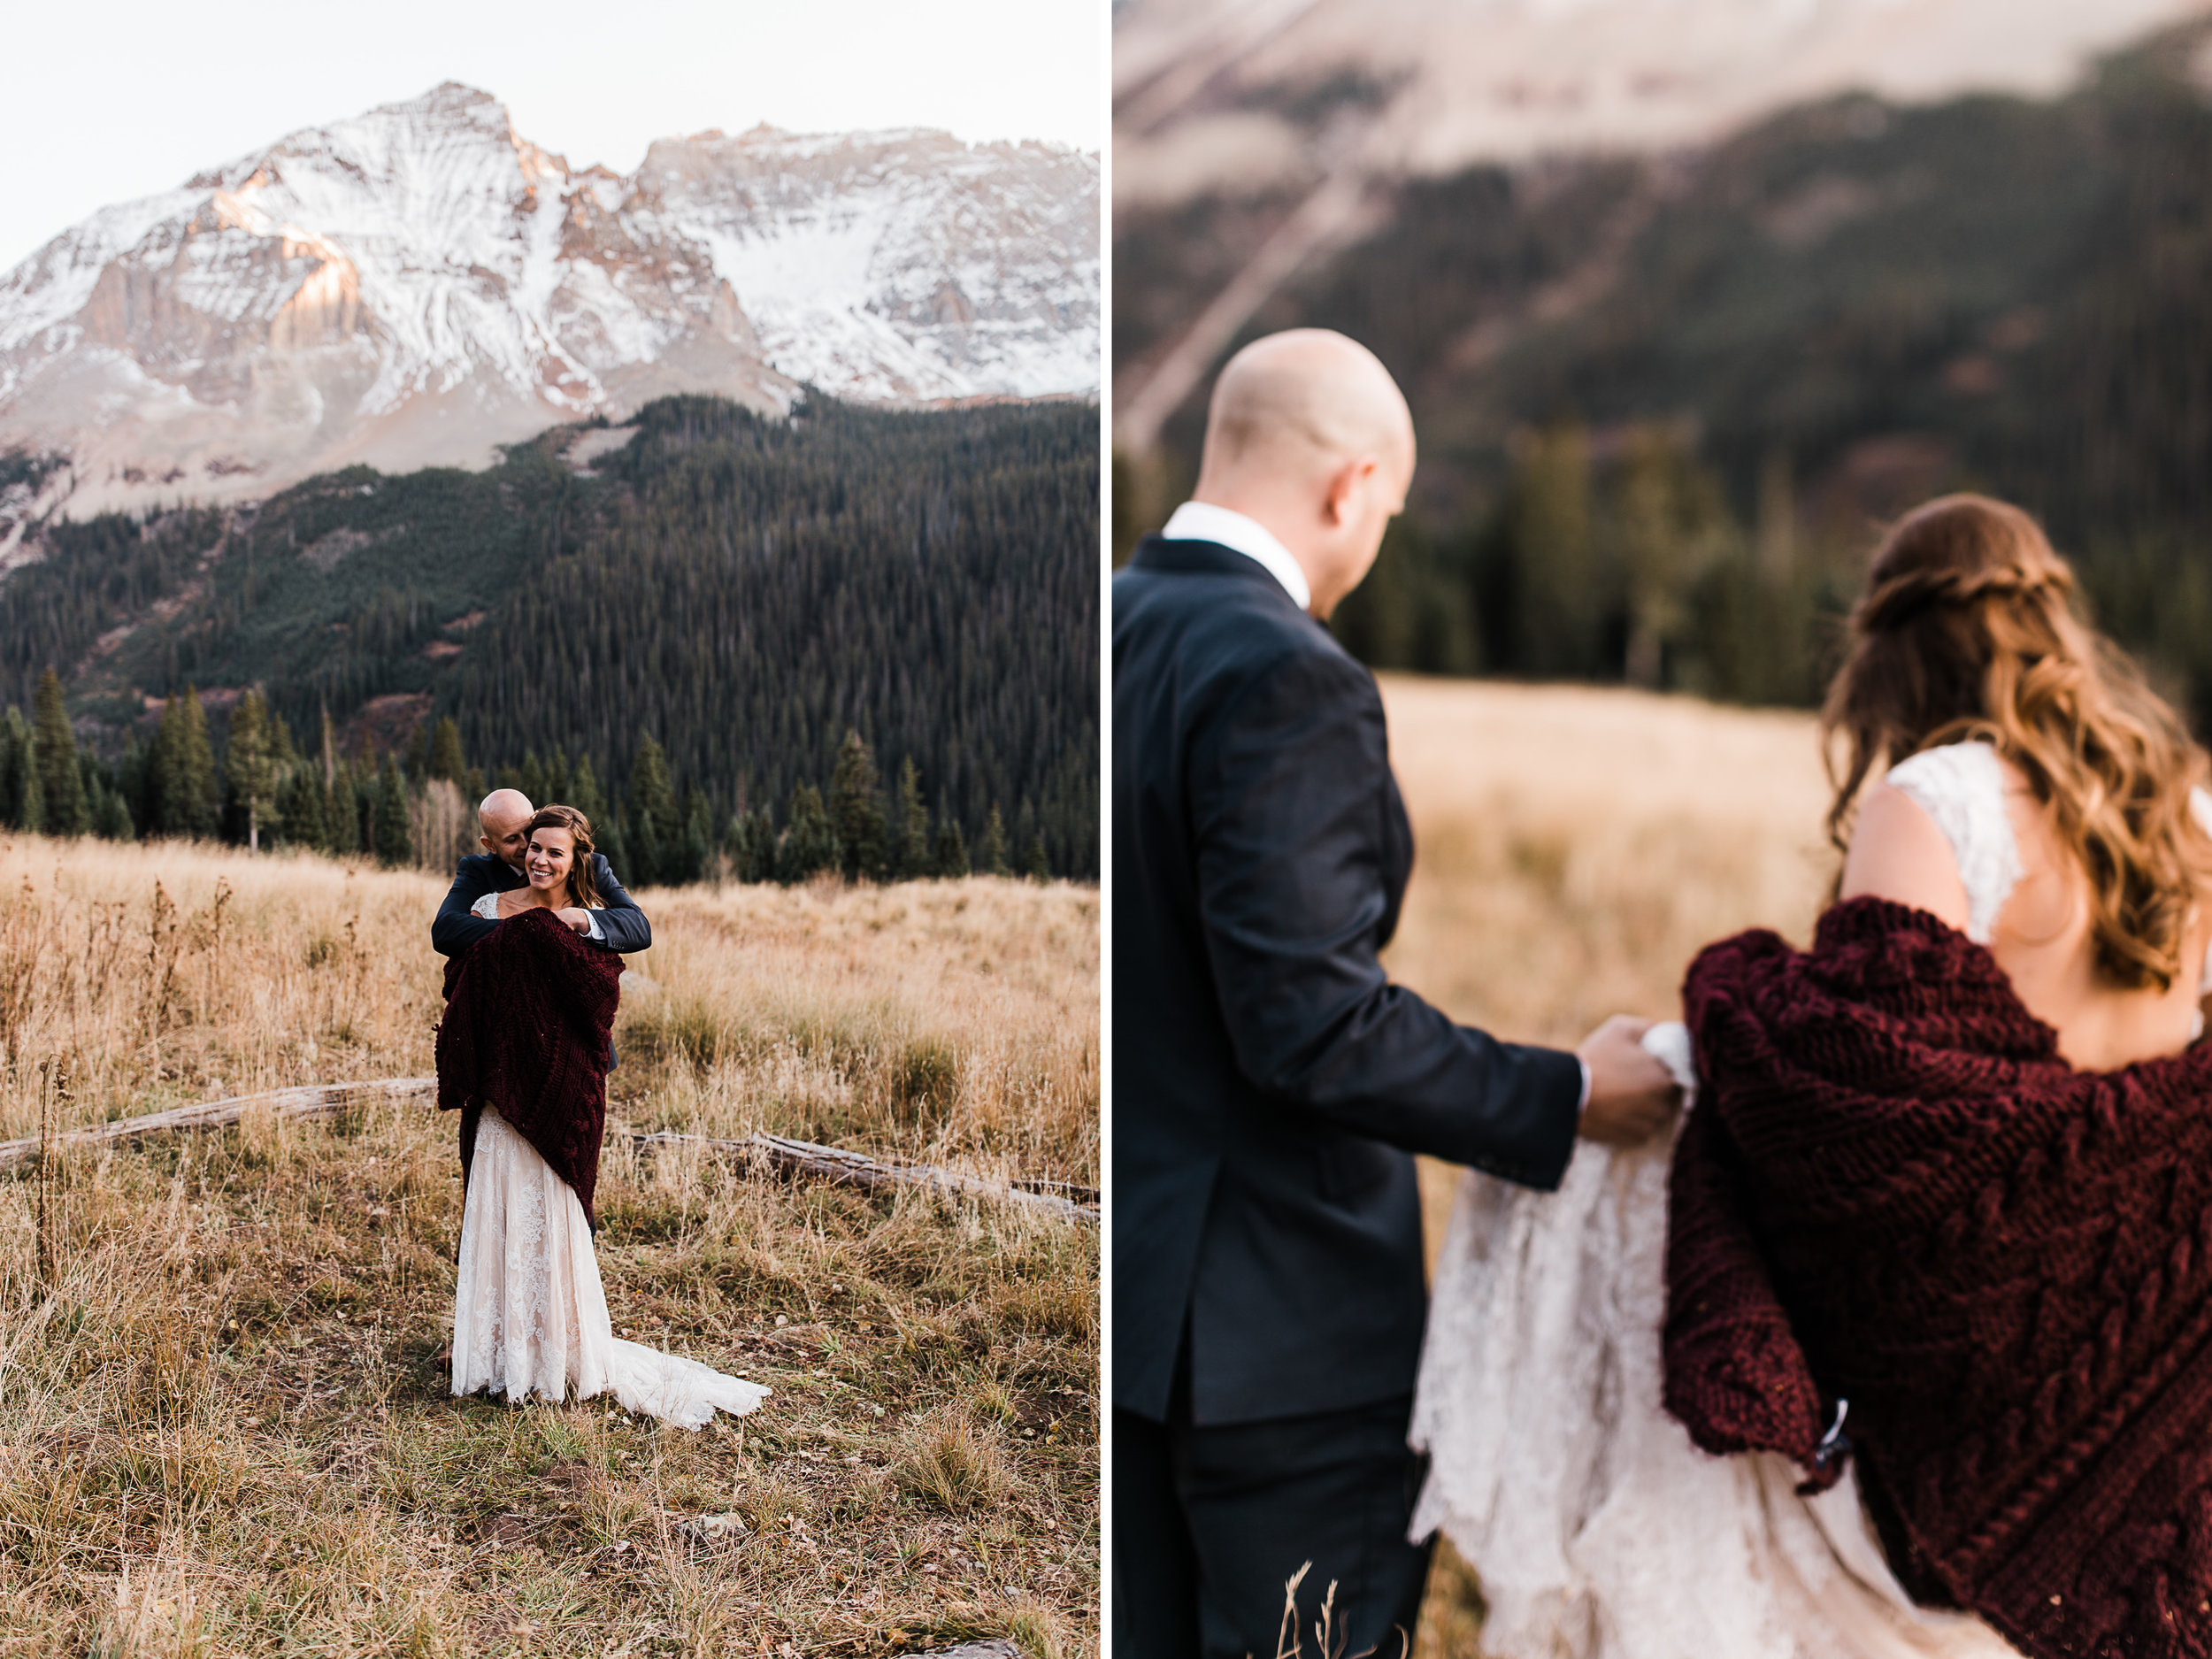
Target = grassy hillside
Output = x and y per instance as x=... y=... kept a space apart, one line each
x=744 y=591
x=223 y=1402
x=1662 y=401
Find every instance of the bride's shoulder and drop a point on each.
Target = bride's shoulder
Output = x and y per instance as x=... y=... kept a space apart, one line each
x=488 y=907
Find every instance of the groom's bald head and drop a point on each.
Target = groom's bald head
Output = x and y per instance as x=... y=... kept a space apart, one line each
x=1308 y=433
x=505 y=816
x=1303 y=403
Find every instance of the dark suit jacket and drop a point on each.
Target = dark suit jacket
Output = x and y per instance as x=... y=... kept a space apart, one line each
x=1270 y=1082
x=454 y=929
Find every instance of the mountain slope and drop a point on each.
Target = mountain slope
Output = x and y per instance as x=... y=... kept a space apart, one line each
x=743 y=590
x=422 y=283
x=1774 y=343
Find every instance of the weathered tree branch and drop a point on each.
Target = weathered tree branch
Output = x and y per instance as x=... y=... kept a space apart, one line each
x=800 y=1158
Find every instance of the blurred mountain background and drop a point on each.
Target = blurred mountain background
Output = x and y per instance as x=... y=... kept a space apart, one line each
x=1689 y=296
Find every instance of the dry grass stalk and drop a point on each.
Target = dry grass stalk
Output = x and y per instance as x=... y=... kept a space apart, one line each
x=223 y=1424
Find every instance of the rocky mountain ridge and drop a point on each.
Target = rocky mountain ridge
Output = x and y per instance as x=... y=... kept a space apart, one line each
x=421 y=284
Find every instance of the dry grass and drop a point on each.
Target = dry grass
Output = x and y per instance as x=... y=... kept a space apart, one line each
x=1575 y=847
x=223 y=1422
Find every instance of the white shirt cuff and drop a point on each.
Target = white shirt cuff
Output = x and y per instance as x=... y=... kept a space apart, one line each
x=592 y=918
x=1583 y=1105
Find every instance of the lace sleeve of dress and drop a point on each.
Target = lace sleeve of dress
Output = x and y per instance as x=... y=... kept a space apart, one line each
x=486 y=906
x=1961 y=787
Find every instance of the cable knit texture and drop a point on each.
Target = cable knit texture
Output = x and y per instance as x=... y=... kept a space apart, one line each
x=1896 y=1192
x=528 y=1011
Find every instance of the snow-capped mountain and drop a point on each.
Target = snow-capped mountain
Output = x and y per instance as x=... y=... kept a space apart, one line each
x=1243 y=96
x=420 y=283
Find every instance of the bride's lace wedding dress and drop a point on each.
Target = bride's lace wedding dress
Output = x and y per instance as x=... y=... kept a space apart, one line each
x=1597 y=1529
x=529 y=1315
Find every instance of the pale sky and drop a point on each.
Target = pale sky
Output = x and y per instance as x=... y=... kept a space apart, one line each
x=109 y=102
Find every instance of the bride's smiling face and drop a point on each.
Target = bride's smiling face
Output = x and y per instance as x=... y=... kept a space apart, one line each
x=551 y=855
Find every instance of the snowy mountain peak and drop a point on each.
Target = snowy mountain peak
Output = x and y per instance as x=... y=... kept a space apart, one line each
x=421 y=283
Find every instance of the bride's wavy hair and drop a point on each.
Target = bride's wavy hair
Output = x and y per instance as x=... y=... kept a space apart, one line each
x=583 y=885
x=1965 y=632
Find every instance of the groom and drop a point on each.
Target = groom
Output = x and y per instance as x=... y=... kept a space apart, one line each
x=1270 y=1083
x=505 y=819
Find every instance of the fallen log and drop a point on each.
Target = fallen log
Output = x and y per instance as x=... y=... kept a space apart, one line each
x=805 y=1159
x=313 y=1100
x=786 y=1156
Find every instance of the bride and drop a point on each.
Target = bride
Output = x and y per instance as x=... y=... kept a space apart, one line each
x=1890 y=1209
x=523 y=1054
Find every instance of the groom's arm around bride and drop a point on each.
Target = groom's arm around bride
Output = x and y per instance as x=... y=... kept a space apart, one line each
x=1270 y=1082
x=503 y=817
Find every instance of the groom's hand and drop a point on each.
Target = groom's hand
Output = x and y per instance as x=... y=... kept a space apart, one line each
x=1631 y=1095
x=576 y=917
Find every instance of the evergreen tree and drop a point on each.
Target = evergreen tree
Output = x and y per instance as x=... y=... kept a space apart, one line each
x=418 y=756
x=695 y=845
x=914 y=851
x=810 y=840
x=21 y=803
x=557 y=781
x=753 y=846
x=341 y=817
x=656 y=822
x=952 y=846
x=445 y=752
x=1039 y=867
x=134 y=778
x=111 y=816
x=300 y=805
x=395 y=838
x=584 y=796
x=994 y=845
x=531 y=779
x=855 y=807
x=250 y=764
x=187 y=801
x=54 y=752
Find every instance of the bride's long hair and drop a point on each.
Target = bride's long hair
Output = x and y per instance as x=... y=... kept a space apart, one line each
x=1963 y=633
x=583 y=887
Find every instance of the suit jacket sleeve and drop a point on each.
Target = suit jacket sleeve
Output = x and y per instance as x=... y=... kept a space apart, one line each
x=1289 y=790
x=454 y=929
x=623 y=924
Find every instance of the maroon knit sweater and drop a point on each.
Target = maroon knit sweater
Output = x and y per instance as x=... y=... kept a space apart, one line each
x=528 y=1011
x=1895 y=1191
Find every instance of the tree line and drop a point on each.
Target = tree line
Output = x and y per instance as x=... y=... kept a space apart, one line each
x=707 y=616
x=264 y=789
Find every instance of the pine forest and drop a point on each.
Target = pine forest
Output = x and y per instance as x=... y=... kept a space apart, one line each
x=854 y=640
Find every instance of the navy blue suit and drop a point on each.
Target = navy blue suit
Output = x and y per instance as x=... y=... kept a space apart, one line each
x=1270 y=1086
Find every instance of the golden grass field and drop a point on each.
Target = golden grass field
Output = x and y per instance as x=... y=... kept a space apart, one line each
x=1575 y=847
x=224 y=1420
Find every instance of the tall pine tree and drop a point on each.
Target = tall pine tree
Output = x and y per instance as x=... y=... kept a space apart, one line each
x=54 y=752
x=395 y=837
x=914 y=860
x=856 y=809
x=186 y=799
x=994 y=845
x=810 y=840
x=250 y=763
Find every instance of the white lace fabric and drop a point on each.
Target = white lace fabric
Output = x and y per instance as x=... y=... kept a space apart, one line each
x=1961 y=787
x=1597 y=1529
x=529 y=1313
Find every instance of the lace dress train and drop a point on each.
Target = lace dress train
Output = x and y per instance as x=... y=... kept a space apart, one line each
x=529 y=1315
x=1598 y=1529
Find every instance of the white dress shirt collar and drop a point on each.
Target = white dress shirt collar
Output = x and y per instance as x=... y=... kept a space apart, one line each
x=1203 y=521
